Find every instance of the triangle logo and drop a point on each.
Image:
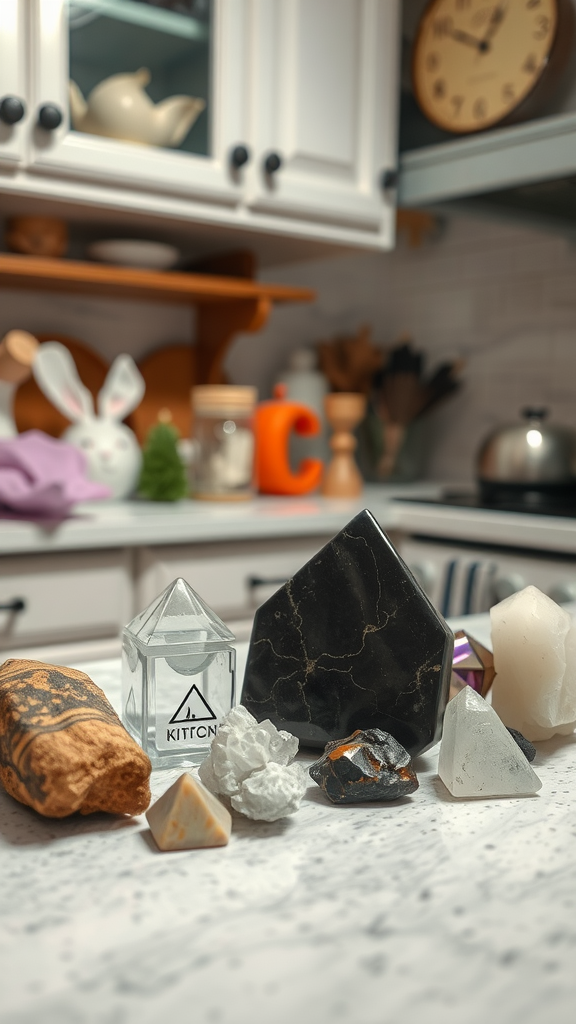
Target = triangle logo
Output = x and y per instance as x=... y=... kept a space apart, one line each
x=194 y=708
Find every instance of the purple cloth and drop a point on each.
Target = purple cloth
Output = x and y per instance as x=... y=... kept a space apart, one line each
x=42 y=476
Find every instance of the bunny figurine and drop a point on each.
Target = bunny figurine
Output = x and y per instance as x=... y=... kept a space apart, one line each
x=111 y=449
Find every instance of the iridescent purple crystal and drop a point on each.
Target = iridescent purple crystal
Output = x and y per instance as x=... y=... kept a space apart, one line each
x=472 y=665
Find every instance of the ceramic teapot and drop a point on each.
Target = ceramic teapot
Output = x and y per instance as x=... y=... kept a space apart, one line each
x=119 y=108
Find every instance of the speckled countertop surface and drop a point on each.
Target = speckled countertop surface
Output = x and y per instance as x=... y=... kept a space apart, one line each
x=427 y=910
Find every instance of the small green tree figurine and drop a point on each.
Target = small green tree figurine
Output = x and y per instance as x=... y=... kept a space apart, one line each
x=163 y=476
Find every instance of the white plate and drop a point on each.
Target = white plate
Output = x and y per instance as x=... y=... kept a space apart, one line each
x=134 y=252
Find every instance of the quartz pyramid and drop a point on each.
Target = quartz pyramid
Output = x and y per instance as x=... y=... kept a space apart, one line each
x=351 y=642
x=178 y=616
x=478 y=756
x=472 y=665
x=187 y=817
x=178 y=676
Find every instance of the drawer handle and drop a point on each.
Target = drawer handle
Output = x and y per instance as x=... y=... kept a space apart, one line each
x=16 y=605
x=261 y=581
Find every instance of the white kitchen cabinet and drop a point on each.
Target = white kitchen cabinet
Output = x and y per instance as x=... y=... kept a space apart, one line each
x=312 y=81
x=324 y=117
x=73 y=605
x=13 y=92
x=234 y=579
x=68 y=597
x=166 y=40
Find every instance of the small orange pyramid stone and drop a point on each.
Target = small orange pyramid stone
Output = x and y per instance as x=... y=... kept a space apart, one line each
x=188 y=817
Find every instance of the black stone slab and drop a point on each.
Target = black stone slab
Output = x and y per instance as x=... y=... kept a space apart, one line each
x=351 y=642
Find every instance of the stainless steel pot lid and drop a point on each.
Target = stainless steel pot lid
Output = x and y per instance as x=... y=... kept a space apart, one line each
x=531 y=452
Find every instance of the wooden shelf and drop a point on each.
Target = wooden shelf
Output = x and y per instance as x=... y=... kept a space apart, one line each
x=129 y=282
x=226 y=305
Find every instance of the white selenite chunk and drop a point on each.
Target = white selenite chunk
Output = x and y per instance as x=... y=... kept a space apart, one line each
x=272 y=792
x=534 y=644
x=242 y=751
x=478 y=756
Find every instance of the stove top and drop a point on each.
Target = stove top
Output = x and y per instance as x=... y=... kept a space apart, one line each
x=532 y=503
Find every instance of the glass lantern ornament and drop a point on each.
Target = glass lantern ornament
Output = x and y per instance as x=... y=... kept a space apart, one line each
x=472 y=665
x=178 y=677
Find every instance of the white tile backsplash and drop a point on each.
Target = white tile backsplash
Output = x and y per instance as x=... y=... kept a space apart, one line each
x=108 y=325
x=501 y=296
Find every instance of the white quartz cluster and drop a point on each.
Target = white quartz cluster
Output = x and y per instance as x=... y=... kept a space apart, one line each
x=249 y=762
x=478 y=756
x=534 y=643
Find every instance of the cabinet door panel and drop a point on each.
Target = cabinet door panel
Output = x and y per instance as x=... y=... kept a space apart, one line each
x=65 y=597
x=234 y=579
x=62 y=44
x=12 y=77
x=324 y=99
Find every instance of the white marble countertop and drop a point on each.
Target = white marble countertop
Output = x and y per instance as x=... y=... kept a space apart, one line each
x=487 y=526
x=138 y=523
x=427 y=910
x=106 y=524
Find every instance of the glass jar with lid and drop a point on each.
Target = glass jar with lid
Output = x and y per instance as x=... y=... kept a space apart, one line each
x=223 y=442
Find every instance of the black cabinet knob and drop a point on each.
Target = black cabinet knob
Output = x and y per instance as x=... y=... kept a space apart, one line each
x=50 y=116
x=239 y=156
x=272 y=163
x=16 y=605
x=12 y=110
x=389 y=179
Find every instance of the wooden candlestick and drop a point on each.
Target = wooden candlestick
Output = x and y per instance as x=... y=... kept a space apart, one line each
x=344 y=411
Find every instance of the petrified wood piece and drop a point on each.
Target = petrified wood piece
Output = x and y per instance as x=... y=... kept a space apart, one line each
x=368 y=765
x=62 y=745
x=351 y=642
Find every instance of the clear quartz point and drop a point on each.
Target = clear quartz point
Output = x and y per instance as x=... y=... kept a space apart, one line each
x=178 y=677
x=478 y=756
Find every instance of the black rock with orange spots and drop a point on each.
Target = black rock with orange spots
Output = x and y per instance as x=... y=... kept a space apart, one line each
x=368 y=765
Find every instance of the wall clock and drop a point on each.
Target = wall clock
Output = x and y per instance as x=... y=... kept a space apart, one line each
x=477 y=63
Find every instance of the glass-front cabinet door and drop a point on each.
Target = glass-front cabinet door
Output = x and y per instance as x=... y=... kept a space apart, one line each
x=141 y=93
x=13 y=98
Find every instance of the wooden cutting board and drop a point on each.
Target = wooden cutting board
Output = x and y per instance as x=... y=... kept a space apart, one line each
x=33 y=411
x=169 y=374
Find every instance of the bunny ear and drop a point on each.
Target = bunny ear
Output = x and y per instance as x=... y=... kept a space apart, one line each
x=56 y=375
x=123 y=389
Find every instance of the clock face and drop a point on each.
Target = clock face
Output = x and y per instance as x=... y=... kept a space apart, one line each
x=475 y=61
